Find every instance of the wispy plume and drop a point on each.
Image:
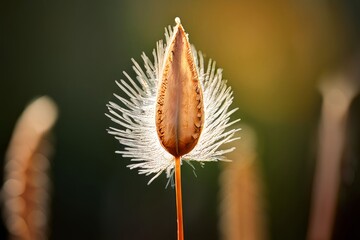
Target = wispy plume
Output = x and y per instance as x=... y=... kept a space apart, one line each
x=135 y=112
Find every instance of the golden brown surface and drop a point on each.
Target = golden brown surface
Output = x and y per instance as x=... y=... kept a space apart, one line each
x=179 y=110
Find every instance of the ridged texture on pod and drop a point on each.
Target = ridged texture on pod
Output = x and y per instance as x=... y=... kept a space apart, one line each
x=180 y=108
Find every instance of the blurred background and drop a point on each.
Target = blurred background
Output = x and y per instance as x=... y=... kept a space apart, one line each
x=277 y=56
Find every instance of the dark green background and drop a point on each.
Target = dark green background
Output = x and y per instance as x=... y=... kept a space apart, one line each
x=74 y=50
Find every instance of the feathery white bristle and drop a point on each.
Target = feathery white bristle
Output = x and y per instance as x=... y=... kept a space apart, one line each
x=135 y=114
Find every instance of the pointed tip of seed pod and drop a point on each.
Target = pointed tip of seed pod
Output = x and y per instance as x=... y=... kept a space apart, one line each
x=177 y=20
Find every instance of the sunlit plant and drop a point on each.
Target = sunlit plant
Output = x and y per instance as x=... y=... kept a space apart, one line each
x=175 y=110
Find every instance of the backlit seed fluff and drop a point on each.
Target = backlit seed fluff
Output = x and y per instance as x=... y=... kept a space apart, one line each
x=175 y=106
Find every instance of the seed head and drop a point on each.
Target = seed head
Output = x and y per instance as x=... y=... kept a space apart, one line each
x=176 y=107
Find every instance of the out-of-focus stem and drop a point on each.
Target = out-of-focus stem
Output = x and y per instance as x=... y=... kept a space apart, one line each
x=179 y=213
x=242 y=214
x=337 y=92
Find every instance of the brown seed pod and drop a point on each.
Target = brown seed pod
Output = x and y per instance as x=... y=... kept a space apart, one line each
x=179 y=107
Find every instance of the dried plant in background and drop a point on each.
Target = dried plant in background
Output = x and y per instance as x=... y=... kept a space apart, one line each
x=242 y=214
x=338 y=91
x=25 y=191
x=176 y=110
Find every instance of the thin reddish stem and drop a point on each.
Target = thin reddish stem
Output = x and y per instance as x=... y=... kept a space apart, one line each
x=178 y=193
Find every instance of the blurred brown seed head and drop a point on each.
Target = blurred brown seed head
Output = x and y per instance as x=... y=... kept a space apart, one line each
x=26 y=187
x=242 y=214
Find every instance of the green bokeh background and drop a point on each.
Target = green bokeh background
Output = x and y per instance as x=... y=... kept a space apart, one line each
x=273 y=54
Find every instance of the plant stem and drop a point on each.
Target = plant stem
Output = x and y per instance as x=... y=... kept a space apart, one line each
x=180 y=228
